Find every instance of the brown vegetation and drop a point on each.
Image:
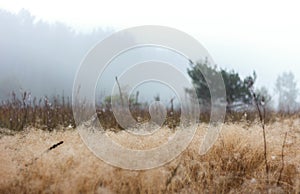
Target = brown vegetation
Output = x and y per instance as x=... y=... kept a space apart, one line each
x=235 y=164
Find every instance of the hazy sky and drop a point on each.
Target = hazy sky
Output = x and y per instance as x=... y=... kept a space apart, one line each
x=245 y=36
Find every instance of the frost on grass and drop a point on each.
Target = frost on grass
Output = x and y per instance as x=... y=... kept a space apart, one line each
x=235 y=164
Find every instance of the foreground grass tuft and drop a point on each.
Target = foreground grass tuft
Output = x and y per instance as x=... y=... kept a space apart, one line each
x=235 y=164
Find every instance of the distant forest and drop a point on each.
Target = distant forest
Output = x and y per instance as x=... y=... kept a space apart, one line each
x=39 y=56
x=42 y=58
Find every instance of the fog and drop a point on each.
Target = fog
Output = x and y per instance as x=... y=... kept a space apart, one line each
x=43 y=58
x=40 y=57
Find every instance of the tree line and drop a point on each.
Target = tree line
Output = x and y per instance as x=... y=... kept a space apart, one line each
x=238 y=92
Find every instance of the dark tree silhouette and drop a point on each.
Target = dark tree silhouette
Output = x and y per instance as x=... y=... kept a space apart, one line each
x=237 y=89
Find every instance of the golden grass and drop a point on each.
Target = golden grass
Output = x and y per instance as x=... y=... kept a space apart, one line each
x=235 y=164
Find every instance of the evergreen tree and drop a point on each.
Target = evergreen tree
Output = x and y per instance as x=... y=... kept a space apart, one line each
x=237 y=89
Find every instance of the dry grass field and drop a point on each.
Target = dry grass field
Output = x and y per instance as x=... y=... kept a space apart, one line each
x=235 y=164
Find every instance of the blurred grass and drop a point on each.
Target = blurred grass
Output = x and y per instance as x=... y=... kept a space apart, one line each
x=22 y=111
x=235 y=164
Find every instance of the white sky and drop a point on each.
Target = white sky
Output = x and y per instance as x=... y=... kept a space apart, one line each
x=241 y=35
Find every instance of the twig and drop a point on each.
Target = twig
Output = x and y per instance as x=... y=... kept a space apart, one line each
x=282 y=159
x=55 y=145
x=262 y=118
x=121 y=95
x=49 y=149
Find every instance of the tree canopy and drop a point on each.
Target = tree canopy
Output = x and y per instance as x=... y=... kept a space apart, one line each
x=238 y=90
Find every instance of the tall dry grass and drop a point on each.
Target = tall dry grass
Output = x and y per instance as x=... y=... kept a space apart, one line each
x=235 y=164
x=22 y=110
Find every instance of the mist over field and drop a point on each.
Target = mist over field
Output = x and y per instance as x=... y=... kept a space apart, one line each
x=236 y=131
x=42 y=58
x=39 y=56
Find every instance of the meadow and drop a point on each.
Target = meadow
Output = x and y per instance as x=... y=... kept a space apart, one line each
x=235 y=164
